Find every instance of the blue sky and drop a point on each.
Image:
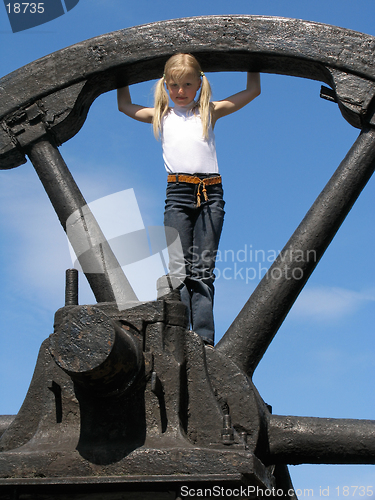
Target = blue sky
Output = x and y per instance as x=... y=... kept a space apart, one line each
x=275 y=156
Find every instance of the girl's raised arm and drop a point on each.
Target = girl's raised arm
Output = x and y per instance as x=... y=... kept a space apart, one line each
x=237 y=101
x=125 y=105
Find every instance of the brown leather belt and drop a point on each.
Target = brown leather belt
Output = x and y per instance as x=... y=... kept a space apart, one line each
x=192 y=179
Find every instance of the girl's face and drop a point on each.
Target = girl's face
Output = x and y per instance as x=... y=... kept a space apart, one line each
x=184 y=91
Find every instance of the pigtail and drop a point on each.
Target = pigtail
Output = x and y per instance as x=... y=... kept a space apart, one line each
x=204 y=103
x=161 y=106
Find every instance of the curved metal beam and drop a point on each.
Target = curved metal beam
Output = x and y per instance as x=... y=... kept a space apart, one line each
x=62 y=85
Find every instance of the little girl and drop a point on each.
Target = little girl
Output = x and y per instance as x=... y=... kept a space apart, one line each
x=194 y=205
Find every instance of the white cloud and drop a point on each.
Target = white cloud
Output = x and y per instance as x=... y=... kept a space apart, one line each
x=31 y=233
x=37 y=252
x=330 y=303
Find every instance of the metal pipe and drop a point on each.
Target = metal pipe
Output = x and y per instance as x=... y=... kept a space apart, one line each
x=250 y=334
x=105 y=276
x=301 y=440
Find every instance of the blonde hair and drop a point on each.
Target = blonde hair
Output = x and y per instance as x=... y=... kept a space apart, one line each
x=176 y=68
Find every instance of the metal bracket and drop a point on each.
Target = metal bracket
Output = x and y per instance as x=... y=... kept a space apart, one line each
x=27 y=126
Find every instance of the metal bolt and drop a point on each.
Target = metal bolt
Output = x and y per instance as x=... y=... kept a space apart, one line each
x=227 y=435
x=71 y=287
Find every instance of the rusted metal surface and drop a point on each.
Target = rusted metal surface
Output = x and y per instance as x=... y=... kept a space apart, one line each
x=301 y=440
x=128 y=402
x=165 y=421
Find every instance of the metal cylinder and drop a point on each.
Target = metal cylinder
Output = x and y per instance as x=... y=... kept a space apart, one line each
x=301 y=440
x=94 y=350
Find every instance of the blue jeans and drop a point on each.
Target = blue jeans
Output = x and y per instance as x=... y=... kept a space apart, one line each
x=199 y=229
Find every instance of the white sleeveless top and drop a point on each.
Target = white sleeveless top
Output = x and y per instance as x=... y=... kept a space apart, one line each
x=185 y=150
